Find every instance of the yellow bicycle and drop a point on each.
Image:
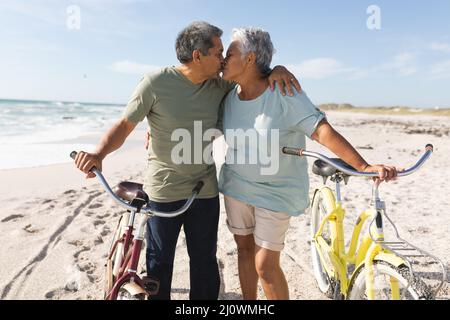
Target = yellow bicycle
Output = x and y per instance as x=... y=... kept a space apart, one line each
x=376 y=269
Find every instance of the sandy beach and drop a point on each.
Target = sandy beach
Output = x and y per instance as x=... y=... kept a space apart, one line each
x=56 y=226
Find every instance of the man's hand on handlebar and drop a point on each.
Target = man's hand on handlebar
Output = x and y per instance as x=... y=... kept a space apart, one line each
x=86 y=161
x=385 y=173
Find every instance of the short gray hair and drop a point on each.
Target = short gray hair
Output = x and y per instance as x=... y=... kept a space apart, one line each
x=196 y=36
x=255 y=40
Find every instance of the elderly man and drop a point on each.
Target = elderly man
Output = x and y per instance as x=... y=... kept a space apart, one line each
x=177 y=98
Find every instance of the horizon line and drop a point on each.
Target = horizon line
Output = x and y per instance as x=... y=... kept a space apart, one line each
x=320 y=104
x=63 y=101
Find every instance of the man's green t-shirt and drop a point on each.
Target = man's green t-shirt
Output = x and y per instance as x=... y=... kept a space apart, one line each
x=170 y=101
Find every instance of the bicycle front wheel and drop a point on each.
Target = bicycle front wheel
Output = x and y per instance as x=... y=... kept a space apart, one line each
x=390 y=283
x=114 y=262
x=322 y=204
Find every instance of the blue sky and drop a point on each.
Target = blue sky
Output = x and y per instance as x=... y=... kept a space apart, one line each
x=328 y=45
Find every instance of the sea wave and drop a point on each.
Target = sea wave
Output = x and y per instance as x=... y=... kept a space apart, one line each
x=43 y=128
x=26 y=122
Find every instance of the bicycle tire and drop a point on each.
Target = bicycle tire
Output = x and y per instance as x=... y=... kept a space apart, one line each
x=324 y=196
x=116 y=256
x=418 y=289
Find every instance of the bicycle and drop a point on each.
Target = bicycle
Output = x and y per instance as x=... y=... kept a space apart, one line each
x=378 y=268
x=121 y=279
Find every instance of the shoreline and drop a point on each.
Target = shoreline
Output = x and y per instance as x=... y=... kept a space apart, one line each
x=25 y=153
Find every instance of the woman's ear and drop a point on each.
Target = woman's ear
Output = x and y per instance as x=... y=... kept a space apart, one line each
x=251 y=58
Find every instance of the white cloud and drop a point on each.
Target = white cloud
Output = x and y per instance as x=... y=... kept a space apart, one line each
x=402 y=64
x=440 y=46
x=402 y=59
x=129 y=67
x=440 y=70
x=318 y=68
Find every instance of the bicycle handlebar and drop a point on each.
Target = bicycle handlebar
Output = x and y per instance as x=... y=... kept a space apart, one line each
x=301 y=152
x=170 y=214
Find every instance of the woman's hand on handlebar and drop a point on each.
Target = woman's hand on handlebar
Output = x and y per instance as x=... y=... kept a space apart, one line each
x=86 y=161
x=385 y=173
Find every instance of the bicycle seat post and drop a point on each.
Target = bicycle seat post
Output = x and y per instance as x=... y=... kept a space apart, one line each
x=337 y=178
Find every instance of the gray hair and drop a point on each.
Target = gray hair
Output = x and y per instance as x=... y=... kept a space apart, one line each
x=196 y=36
x=255 y=40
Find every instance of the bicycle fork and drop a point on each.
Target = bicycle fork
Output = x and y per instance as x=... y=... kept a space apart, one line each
x=377 y=234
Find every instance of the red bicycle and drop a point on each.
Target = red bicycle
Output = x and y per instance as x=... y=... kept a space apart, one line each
x=121 y=279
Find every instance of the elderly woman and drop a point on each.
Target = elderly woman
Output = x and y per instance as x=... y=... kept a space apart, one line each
x=260 y=205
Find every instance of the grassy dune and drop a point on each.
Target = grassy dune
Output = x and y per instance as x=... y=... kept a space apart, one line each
x=400 y=110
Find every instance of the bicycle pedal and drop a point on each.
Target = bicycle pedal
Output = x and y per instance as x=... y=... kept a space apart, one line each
x=150 y=285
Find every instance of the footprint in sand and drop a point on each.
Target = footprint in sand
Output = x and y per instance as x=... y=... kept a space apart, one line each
x=46 y=201
x=87 y=267
x=54 y=294
x=83 y=249
x=69 y=191
x=76 y=243
x=97 y=222
x=106 y=230
x=95 y=206
x=28 y=228
x=12 y=217
x=98 y=240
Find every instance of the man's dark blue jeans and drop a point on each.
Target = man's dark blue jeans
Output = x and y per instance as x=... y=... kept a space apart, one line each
x=200 y=223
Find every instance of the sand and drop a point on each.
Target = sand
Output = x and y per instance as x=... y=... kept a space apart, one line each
x=56 y=226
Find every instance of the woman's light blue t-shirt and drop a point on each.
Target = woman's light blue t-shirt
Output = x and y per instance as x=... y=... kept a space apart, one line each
x=255 y=170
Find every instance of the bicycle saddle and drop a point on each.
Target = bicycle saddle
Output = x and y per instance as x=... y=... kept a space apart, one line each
x=128 y=191
x=326 y=170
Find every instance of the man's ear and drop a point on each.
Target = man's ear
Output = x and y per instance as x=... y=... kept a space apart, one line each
x=196 y=55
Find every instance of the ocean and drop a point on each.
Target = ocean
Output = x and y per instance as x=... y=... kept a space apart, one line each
x=37 y=133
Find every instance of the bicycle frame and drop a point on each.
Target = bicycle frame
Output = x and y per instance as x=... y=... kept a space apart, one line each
x=373 y=247
x=129 y=259
x=368 y=251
